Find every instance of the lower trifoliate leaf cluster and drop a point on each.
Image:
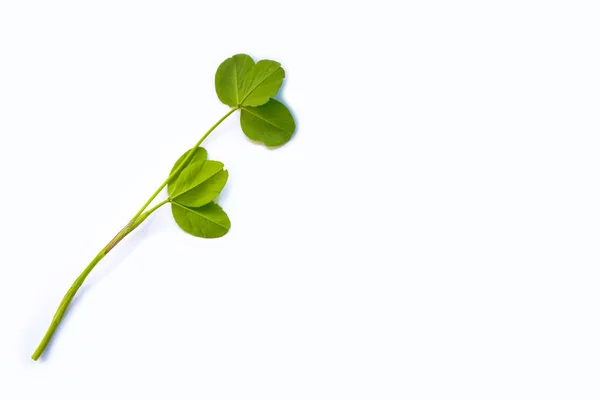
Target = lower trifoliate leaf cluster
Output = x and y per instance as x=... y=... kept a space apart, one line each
x=192 y=193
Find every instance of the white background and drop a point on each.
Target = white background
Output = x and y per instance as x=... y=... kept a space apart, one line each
x=431 y=232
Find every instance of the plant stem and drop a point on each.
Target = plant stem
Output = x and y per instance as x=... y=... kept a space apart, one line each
x=64 y=304
x=185 y=161
x=139 y=217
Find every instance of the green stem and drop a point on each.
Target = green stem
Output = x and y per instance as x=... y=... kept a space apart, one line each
x=139 y=217
x=64 y=304
x=184 y=162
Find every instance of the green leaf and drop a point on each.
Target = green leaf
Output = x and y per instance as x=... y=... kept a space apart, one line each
x=209 y=221
x=199 y=183
x=229 y=77
x=271 y=124
x=239 y=81
x=199 y=155
x=262 y=82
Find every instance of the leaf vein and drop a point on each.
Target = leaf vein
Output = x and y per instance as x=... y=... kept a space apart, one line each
x=198 y=214
x=257 y=85
x=264 y=119
x=235 y=83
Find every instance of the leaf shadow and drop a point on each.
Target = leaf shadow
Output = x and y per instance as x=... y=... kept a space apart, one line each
x=115 y=258
x=222 y=198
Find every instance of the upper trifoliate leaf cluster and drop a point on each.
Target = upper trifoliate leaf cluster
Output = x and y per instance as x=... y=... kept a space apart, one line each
x=249 y=86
